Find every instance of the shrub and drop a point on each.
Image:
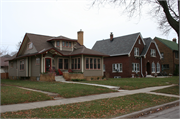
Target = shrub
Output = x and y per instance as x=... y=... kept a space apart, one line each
x=78 y=79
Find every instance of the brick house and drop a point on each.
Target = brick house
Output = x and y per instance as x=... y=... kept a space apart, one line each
x=170 y=55
x=130 y=56
x=39 y=53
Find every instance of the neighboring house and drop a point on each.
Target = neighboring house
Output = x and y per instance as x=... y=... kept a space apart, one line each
x=39 y=53
x=130 y=56
x=170 y=54
x=4 y=66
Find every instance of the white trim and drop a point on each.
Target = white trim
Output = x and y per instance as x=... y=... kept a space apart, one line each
x=136 y=41
x=120 y=64
x=30 y=66
x=153 y=67
x=141 y=68
x=41 y=63
x=27 y=66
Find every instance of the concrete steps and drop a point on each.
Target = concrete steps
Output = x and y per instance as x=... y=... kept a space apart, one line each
x=149 y=76
x=59 y=78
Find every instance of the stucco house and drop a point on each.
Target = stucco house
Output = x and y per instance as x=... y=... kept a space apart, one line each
x=39 y=53
x=170 y=56
x=130 y=56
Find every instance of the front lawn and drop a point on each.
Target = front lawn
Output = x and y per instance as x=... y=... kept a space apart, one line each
x=137 y=83
x=170 y=90
x=104 y=108
x=66 y=90
x=14 y=95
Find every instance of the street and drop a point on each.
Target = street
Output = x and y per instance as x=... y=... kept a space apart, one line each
x=171 y=113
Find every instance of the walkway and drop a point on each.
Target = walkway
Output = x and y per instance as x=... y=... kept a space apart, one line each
x=91 y=84
x=33 y=105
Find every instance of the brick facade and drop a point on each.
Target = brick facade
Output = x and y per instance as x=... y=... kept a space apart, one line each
x=169 y=57
x=127 y=61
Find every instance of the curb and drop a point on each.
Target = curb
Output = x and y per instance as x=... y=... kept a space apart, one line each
x=149 y=110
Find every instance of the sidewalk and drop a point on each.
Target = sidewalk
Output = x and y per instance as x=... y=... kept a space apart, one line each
x=91 y=84
x=33 y=105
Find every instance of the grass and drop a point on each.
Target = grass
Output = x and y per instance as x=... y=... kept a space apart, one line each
x=63 y=89
x=104 y=108
x=137 y=83
x=14 y=95
x=170 y=90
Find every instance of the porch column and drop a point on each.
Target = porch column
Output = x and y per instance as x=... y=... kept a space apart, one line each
x=27 y=68
x=70 y=62
x=102 y=66
x=42 y=63
x=82 y=63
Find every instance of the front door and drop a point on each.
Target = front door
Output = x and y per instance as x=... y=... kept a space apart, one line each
x=148 y=68
x=47 y=64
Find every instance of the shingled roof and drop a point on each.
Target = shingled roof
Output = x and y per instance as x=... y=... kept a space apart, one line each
x=172 y=45
x=118 y=46
x=146 y=47
x=42 y=45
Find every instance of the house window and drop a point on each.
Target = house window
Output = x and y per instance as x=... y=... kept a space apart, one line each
x=87 y=63
x=153 y=53
x=57 y=43
x=117 y=67
x=67 y=44
x=153 y=67
x=165 y=66
x=53 y=62
x=158 y=67
x=93 y=63
x=176 y=55
x=63 y=44
x=30 y=45
x=60 y=63
x=136 y=51
x=162 y=55
x=72 y=63
x=139 y=41
x=66 y=63
x=135 y=67
x=22 y=65
x=75 y=63
x=70 y=44
x=37 y=61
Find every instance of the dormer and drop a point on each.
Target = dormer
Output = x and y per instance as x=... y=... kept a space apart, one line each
x=63 y=43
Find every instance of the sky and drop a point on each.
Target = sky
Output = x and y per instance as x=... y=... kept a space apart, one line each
x=66 y=18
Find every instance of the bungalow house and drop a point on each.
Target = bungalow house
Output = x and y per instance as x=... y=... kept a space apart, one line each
x=130 y=56
x=170 y=56
x=39 y=53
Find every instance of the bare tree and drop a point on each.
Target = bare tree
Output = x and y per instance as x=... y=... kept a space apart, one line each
x=18 y=45
x=167 y=11
x=3 y=51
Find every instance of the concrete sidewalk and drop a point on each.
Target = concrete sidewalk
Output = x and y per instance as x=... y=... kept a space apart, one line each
x=33 y=105
x=91 y=84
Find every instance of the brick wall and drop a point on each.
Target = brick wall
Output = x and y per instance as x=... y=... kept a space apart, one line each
x=168 y=56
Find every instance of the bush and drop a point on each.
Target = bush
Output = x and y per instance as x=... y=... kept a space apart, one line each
x=78 y=79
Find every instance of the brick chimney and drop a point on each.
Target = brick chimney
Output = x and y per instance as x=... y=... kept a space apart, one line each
x=111 y=36
x=174 y=40
x=80 y=37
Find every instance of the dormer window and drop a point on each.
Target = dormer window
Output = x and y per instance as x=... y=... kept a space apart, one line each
x=66 y=44
x=136 y=51
x=63 y=44
x=30 y=45
x=57 y=43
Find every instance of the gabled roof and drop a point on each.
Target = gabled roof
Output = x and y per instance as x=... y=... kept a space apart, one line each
x=42 y=45
x=118 y=46
x=148 y=42
x=172 y=45
x=146 y=47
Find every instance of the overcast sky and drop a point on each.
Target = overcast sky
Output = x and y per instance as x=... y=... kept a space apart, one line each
x=67 y=17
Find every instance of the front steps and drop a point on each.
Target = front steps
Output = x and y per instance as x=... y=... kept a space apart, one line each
x=59 y=78
x=149 y=76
